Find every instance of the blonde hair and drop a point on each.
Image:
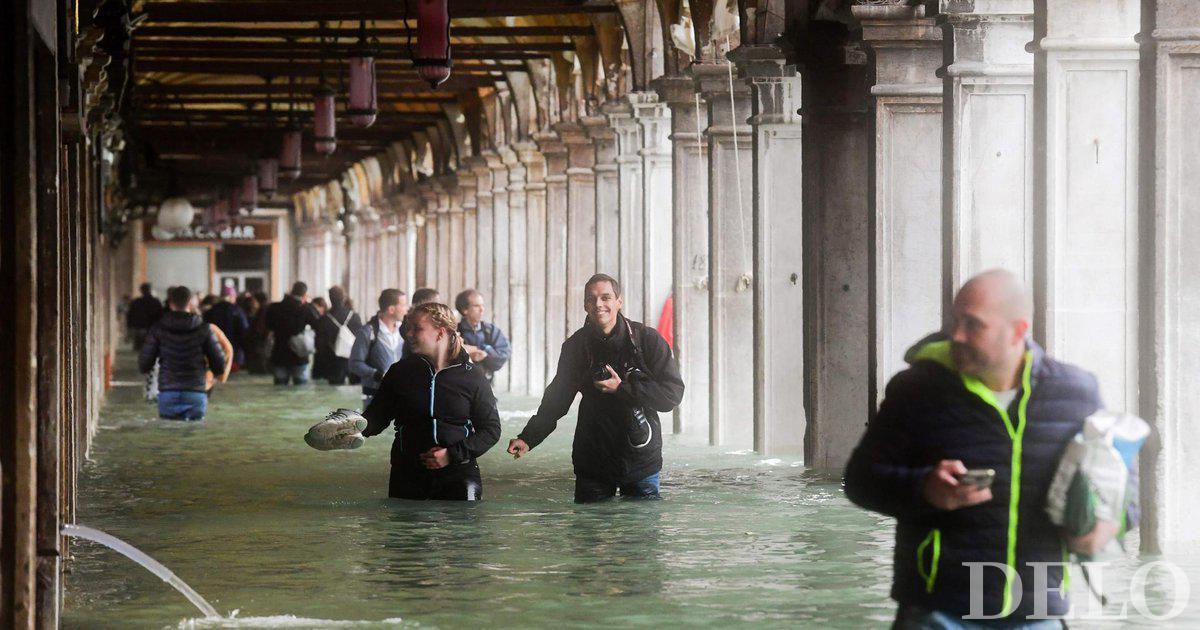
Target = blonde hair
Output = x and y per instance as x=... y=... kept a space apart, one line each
x=442 y=317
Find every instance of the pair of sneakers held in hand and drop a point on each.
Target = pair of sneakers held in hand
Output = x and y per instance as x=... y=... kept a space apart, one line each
x=342 y=429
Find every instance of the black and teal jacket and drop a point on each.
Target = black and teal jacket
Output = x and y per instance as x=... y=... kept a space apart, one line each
x=931 y=412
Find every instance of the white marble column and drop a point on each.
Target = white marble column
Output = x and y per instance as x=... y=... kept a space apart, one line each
x=779 y=415
x=555 y=153
x=630 y=267
x=468 y=184
x=654 y=119
x=608 y=197
x=908 y=232
x=1087 y=62
x=689 y=174
x=518 y=276
x=485 y=233
x=581 y=216
x=458 y=243
x=447 y=257
x=497 y=298
x=534 y=344
x=429 y=200
x=1169 y=465
x=731 y=280
x=988 y=132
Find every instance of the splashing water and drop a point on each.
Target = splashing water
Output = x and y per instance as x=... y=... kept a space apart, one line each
x=152 y=565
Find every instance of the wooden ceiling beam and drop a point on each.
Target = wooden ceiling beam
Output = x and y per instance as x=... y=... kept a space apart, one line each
x=282 y=68
x=284 y=32
x=175 y=100
x=320 y=10
x=391 y=50
x=334 y=63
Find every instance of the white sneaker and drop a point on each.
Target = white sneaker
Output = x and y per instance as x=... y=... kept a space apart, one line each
x=341 y=429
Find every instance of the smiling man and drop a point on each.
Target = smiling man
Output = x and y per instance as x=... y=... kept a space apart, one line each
x=627 y=375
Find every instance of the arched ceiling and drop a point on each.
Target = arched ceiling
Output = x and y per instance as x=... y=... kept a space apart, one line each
x=203 y=72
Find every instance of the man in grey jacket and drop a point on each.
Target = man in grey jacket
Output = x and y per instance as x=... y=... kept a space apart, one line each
x=379 y=343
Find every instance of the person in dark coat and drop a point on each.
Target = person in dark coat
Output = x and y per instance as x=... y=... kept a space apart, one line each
x=443 y=410
x=328 y=328
x=485 y=342
x=984 y=397
x=286 y=319
x=142 y=314
x=185 y=348
x=627 y=376
x=232 y=321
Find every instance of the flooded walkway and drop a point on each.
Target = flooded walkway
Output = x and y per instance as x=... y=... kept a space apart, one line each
x=258 y=523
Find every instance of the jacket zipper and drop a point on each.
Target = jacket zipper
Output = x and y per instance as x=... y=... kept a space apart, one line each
x=432 y=385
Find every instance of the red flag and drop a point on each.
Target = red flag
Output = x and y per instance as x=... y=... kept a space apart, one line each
x=666 y=322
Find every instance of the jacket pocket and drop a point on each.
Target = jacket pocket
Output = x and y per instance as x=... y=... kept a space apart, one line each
x=930 y=547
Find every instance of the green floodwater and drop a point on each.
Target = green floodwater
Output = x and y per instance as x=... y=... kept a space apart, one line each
x=275 y=534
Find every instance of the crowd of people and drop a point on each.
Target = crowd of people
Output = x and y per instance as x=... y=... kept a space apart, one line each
x=959 y=453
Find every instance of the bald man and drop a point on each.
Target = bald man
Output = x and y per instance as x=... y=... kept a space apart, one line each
x=961 y=453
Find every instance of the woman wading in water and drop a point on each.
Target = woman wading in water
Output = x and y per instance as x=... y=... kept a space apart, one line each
x=443 y=410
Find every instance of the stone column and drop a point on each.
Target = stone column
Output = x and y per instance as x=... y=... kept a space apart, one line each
x=629 y=183
x=689 y=240
x=497 y=299
x=581 y=217
x=1087 y=294
x=555 y=153
x=484 y=231
x=1168 y=468
x=731 y=280
x=458 y=244
x=779 y=416
x=608 y=198
x=654 y=119
x=534 y=343
x=468 y=184
x=908 y=234
x=518 y=275
x=447 y=256
x=410 y=203
x=838 y=134
x=988 y=139
x=429 y=201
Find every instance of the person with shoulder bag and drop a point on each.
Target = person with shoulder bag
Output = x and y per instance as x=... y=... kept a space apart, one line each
x=336 y=332
x=379 y=343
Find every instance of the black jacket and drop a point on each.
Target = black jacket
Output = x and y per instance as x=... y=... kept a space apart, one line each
x=931 y=412
x=181 y=343
x=327 y=328
x=601 y=449
x=232 y=321
x=454 y=408
x=286 y=319
x=143 y=312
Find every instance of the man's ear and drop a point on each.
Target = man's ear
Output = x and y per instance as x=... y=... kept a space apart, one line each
x=1021 y=329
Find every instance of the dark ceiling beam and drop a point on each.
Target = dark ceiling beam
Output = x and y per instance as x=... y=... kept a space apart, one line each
x=322 y=10
x=169 y=99
x=454 y=83
x=284 y=32
x=283 y=69
x=332 y=62
x=386 y=50
x=177 y=137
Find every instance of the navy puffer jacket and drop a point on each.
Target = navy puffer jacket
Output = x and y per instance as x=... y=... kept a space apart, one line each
x=931 y=412
x=181 y=343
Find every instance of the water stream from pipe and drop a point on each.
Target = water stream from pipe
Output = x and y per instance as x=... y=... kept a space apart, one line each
x=152 y=565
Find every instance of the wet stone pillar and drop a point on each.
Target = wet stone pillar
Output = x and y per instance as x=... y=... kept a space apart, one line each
x=555 y=153
x=908 y=227
x=608 y=207
x=581 y=216
x=1168 y=473
x=534 y=344
x=779 y=417
x=447 y=255
x=497 y=299
x=1087 y=66
x=988 y=124
x=484 y=232
x=464 y=194
x=518 y=276
x=469 y=184
x=630 y=257
x=654 y=119
x=731 y=279
x=689 y=240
